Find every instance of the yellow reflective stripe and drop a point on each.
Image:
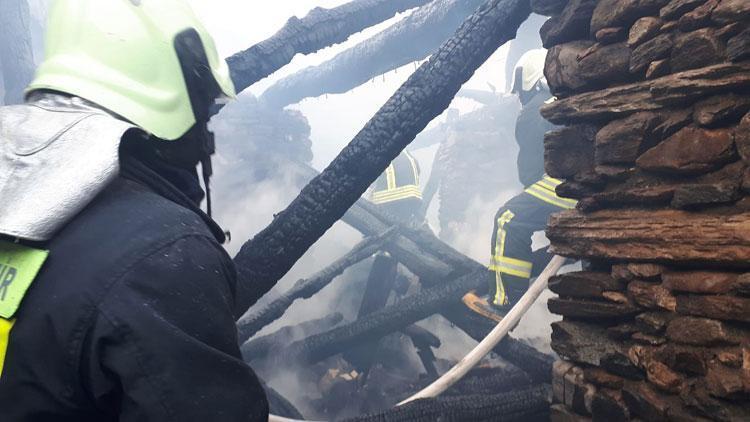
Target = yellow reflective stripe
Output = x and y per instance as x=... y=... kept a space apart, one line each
x=550 y=197
x=500 y=296
x=390 y=177
x=547 y=185
x=5 y=327
x=403 y=192
x=552 y=180
x=512 y=266
x=414 y=167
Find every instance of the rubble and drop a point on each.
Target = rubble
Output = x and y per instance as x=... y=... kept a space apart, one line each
x=669 y=229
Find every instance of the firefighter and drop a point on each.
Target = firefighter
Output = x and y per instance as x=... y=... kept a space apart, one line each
x=397 y=190
x=512 y=261
x=118 y=299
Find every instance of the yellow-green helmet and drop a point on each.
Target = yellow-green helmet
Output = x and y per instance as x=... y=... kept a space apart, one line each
x=121 y=55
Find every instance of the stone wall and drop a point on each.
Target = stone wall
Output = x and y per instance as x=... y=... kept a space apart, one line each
x=654 y=101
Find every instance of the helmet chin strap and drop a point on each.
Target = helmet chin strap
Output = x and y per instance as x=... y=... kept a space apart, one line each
x=208 y=147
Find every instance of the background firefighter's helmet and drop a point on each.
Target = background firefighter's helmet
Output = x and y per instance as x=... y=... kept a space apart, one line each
x=122 y=56
x=529 y=70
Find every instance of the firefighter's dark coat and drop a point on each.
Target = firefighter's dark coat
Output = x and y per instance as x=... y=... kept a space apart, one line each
x=131 y=317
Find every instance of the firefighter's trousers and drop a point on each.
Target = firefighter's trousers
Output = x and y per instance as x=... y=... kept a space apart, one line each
x=515 y=223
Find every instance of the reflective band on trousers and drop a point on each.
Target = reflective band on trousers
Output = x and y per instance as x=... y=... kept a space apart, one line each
x=544 y=190
x=5 y=327
x=390 y=195
x=512 y=266
x=500 y=296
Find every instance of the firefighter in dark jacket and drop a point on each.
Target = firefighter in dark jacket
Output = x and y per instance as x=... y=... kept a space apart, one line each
x=116 y=297
x=397 y=190
x=512 y=262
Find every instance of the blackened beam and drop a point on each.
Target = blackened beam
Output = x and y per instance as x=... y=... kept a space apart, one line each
x=380 y=323
x=321 y=28
x=409 y=40
x=527 y=404
x=264 y=260
x=306 y=288
x=260 y=347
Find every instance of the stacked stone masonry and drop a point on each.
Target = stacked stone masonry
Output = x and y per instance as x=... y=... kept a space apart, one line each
x=653 y=103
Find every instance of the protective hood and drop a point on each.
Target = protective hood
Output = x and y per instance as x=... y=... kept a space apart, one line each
x=56 y=155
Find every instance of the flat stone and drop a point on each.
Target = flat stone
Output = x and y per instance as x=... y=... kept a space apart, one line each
x=742 y=138
x=654 y=49
x=696 y=49
x=726 y=308
x=584 y=284
x=653 y=323
x=582 y=342
x=590 y=309
x=643 y=30
x=721 y=109
x=611 y=35
x=651 y=296
x=645 y=402
x=658 y=69
x=622 y=331
x=691 y=196
x=548 y=7
x=702 y=332
x=569 y=150
x=697 y=18
x=691 y=150
x=738 y=47
x=646 y=271
x=610 y=406
x=663 y=378
x=572 y=24
x=602 y=378
x=700 y=282
x=648 y=339
x=620 y=141
x=731 y=11
x=613 y=13
x=579 y=65
x=676 y=8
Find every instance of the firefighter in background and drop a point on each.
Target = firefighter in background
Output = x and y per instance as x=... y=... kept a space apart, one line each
x=398 y=194
x=512 y=260
x=397 y=190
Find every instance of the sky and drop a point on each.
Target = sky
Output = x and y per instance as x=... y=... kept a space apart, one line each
x=334 y=119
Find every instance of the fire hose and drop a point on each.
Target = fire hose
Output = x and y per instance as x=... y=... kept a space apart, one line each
x=502 y=329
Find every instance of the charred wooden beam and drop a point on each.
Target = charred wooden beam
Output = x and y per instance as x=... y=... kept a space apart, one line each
x=263 y=260
x=407 y=41
x=520 y=405
x=490 y=380
x=393 y=318
x=16 y=54
x=260 y=347
x=307 y=287
x=319 y=29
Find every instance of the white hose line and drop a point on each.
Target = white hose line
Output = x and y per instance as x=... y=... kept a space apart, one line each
x=485 y=346
x=493 y=338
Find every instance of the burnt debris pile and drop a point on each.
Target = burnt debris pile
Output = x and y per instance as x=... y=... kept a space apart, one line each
x=656 y=146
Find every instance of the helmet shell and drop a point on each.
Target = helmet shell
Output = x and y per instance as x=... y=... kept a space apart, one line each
x=120 y=55
x=532 y=68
